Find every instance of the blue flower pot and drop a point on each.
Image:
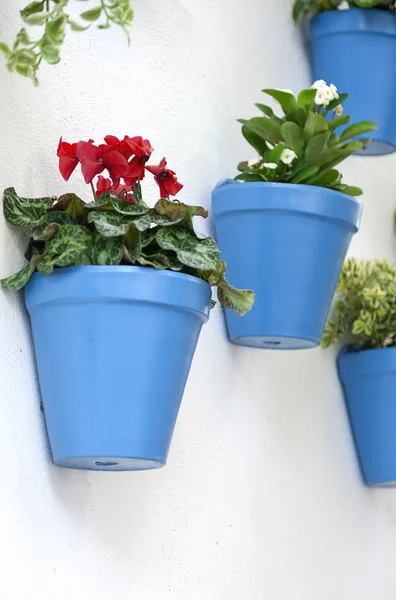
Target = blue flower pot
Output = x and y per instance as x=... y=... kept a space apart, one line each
x=287 y=243
x=369 y=381
x=356 y=50
x=114 y=346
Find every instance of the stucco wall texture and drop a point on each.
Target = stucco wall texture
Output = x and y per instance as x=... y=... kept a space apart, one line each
x=262 y=497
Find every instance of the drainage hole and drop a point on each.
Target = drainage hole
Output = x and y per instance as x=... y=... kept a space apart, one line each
x=271 y=343
x=106 y=464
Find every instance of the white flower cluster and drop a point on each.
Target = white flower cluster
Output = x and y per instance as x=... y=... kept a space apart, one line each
x=324 y=93
x=344 y=5
x=287 y=157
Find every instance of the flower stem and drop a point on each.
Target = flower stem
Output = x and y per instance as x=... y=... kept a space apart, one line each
x=93 y=191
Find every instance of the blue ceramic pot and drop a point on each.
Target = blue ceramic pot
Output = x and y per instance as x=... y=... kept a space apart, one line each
x=114 y=346
x=356 y=50
x=287 y=243
x=369 y=381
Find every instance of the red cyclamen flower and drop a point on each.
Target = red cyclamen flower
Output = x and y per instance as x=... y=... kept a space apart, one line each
x=142 y=151
x=120 y=145
x=90 y=157
x=106 y=185
x=68 y=160
x=165 y=179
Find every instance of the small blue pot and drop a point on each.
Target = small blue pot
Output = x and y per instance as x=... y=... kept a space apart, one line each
x=369 y=381
x=288 y=243
x=356 y=50
x=114 y=346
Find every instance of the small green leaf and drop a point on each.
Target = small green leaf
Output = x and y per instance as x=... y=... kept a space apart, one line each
x=306 y=99
x=358 y=129
x=256 y=141
x=316 y=148
x=267 y=110
x=266 y=128
x=285 y=99
x=352 y=191
x=4 y=49
x=241 y=301
x=305 y=174
x=91 y=15
x=74 y=26
x=293 y=137
x=36 y=18
x=339 y=121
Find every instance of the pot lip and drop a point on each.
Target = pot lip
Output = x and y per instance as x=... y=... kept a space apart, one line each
x=127 y=269
x=81 y=284
x=286 y=197
x=372 y=20
x=373 y=361
x=228 y=183
x=355 y=350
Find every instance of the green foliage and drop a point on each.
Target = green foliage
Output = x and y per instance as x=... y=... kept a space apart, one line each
x=365 y=305
x=66 y=232
x=303 y=8
x=26 y=54
x=303 y=146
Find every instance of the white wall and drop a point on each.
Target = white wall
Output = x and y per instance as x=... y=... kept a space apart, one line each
x=261 y=498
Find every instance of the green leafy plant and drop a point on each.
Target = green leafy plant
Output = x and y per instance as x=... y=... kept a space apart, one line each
x=365 y=305
x=26 y=54
x=304 y=8
x=303 y=145
x=117 y=227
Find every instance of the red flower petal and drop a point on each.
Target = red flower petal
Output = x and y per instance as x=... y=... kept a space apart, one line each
x=67 y=164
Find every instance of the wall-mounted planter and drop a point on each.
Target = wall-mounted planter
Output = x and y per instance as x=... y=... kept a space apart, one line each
x=369 y=382
x=287 y=243
x=356 y=50
x=113 y=347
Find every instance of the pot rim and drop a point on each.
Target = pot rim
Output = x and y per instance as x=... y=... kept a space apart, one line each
x=373 y=361
x=287 y=197
x=354 y=20
x=82 y=284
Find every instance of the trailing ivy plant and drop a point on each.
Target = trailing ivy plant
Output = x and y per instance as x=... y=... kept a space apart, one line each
x=365 y=305
x=302 y=145
x=304 y=8
x=117 y=227
x=27 y=52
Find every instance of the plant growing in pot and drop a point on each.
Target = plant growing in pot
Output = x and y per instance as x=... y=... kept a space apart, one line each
x=27 y=54
x=293 y=215
x=365 y=315
x=117 y=294
x=355 y=47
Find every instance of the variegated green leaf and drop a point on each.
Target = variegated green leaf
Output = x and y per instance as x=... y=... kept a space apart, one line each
x=24 y=212
x=109 y=223
x=241 y=301
x=50 y=224
x=128 y=208
x=70 y=246
x=107 y=251
x=133 y=248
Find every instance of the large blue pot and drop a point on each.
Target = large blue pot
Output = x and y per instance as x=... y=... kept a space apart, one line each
x=356 y=50
x=287 y=243
x=114 y=346
x=369 y=381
